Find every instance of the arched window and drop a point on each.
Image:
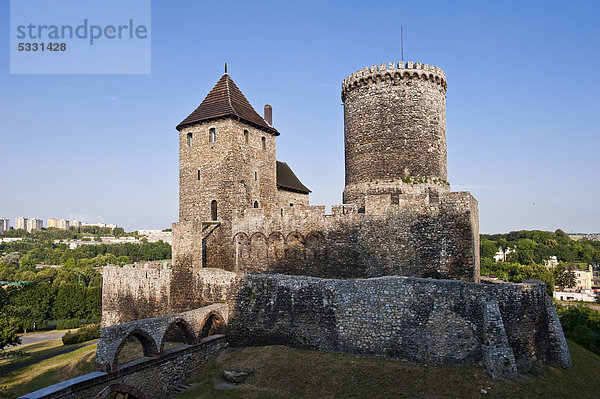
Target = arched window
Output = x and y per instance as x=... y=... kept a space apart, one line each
x=190 y=139
x=264 y=143
x=245 y=137
x=213 y=210
x=212 y=135
x=256 y=204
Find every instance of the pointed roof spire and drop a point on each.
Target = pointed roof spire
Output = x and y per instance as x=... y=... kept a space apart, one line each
x=227 y=100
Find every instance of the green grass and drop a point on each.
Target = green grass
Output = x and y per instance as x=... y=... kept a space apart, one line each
x=46 y=372
x=281 y=372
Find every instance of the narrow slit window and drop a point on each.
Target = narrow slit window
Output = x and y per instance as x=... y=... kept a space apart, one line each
x=256 y=204
x=212 y=135
x=255 y=176
x=264 y=143
x=198 y=174
x=213 y=210
x=245 y=137
x=190 y=139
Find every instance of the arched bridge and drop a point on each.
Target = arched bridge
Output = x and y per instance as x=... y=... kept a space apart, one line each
x=195 y=325
x=200 y=337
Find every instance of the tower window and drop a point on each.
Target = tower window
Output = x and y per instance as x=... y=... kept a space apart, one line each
x=213 y=210
x=198 y=174
x=190 y=139
x=212 y=135
x=255 y=176
x=245 y=137
x=256 y=204
x=264 y=143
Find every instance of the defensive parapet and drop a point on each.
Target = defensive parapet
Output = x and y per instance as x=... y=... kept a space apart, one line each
x=395 y=130
x=394 y=70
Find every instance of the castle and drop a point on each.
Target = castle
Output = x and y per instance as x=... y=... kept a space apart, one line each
x=393 y=271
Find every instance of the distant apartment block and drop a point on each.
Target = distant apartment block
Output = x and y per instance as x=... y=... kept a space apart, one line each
x=3 y=225
x=58 y=223
x=76 y=223
x=21 y=223
x=34 y=224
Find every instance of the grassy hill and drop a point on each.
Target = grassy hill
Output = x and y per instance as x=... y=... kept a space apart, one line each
x=282 y=372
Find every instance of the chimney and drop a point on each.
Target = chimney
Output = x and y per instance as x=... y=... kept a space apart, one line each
x=269 y=114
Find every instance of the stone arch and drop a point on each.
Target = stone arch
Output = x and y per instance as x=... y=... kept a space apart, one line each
x=314 y=245
x=258 y=248
x=241 y=246
x=275 y=245
x=148 y=344
x=294 y=245
x=212 y=324
x=186 y=330
x=406 y=75
x=127 y=391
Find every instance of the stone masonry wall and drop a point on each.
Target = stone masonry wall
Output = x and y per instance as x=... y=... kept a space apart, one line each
x=285 y=198
x=394 y=127
x=135 y=292
x=426 y=235
x=426 y=320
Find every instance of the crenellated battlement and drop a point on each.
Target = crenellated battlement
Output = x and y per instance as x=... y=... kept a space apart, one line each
x=394 y=71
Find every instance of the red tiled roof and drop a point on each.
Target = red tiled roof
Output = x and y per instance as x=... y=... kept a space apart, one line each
x=227 y=100
x=287 y=180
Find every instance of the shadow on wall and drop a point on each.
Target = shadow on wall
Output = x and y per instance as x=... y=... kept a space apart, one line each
x=423 y=246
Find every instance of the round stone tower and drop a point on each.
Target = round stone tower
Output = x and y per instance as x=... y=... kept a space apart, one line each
x=394 y=130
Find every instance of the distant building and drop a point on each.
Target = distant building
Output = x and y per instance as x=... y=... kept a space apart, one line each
x=110 y=226
x=583 y=278
x=501 y=255
x=551 y=262
x=34 y=224
x=157 y=235
x=11 y=239
x=58 y=223
x=575 y=295
x=76 y=223
x=3 y=225
x=21 y=223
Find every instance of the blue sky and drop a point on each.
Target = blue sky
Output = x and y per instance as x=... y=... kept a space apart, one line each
x=522 y=106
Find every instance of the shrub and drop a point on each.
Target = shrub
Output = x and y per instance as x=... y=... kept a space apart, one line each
x=65 y=324
x=83 y=334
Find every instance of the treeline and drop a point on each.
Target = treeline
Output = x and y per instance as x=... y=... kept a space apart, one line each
x=64 y=298
x=28 y=253
x=534 y=246
x=530 y=249
x=72 y=233
x=582 y=325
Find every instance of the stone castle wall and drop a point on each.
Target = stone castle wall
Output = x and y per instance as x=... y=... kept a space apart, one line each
x=285 y=198
x=508 y=326
x=135 y=292
x=395 y=127
x=424 y=235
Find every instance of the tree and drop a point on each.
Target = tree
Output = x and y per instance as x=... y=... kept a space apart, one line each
x=564 y=276
x=8 y=332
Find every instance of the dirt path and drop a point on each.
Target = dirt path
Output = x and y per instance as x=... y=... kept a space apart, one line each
x=39 y=337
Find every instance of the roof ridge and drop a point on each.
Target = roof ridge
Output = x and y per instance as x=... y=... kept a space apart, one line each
x=229 y=95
